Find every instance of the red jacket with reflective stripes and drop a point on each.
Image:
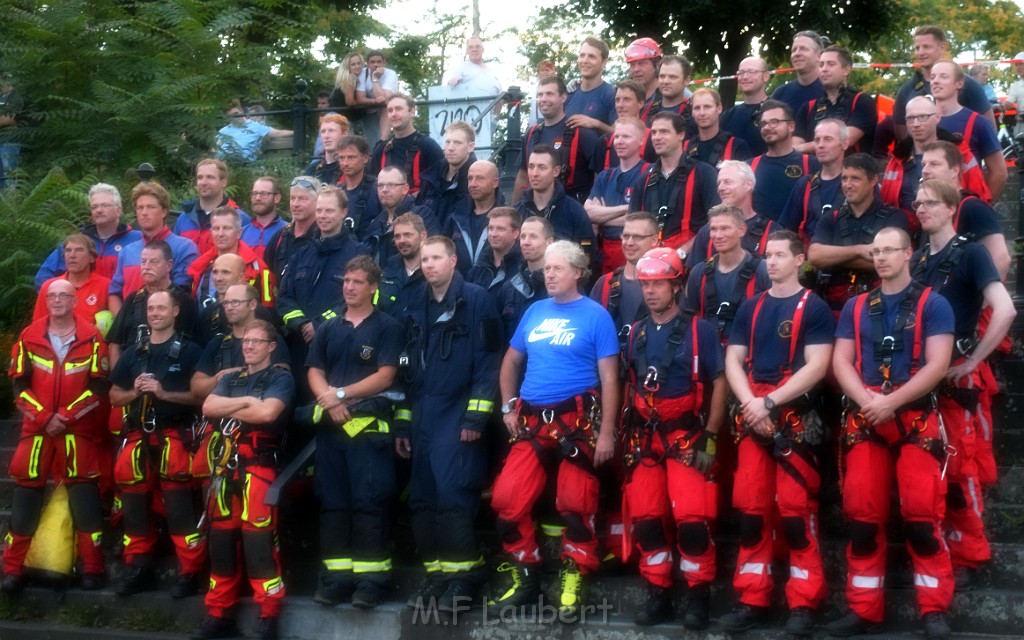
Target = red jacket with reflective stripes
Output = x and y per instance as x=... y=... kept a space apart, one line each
x=75 y=388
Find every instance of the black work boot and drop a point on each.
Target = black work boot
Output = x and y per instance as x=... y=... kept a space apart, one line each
x=186 y=586
x=525 y=589
x=851 y=625
x=698 y=607
x=743 y=618
x=136 y=580
x=657 y=609
x=936 y=626
x=800 y=622
x=433 y=587
x=213 y=627
x=458 y=596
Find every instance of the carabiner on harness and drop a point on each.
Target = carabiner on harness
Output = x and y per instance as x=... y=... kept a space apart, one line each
x=229 y=427
x=651 y=382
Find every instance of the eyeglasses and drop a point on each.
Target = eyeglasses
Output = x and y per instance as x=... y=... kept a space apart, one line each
x=390 y=185
x=629 y=237
x=921 y=118
x=885 y=251
x=263 y=194
x=774 y=122
x=928 y=204
x=59 y=296
x=235 y=303
x=247 y=342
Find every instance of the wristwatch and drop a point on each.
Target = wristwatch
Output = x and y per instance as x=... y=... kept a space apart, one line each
x=509 y=406
x=341 y=393
x=769 y=404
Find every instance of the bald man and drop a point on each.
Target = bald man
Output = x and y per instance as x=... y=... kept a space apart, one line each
x=752 y=76
x=467 y=226
x=227 y=270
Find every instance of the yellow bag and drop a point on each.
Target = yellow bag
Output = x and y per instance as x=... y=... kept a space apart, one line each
x=53 y=546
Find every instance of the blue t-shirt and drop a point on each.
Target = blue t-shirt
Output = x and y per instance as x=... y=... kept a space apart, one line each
x=828 y=192
x=739 y=121
x=971 y=96
x=984 y=140
x=775 y=330
x=677 y=381
x=796 y=95
x=776 y=177
x=562 y=344
x=616 y=187
x=972 y=272
x=598 y=103
x=725 y=290
x=977 y=219
x=938 y=319
x=243 y=142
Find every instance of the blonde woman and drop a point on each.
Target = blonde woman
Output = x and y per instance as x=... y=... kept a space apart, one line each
x=344 y=94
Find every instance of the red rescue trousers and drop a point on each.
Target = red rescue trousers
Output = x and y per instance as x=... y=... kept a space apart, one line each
x=155 y=474
x=70 y=458
x=961 y=411
x=243 y=526
x=662 y=490
x=777 y=488
x=875 y=458
x=522 y=479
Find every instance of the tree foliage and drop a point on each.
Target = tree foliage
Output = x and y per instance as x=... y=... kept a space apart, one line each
x=109 y=84
x=716 y=36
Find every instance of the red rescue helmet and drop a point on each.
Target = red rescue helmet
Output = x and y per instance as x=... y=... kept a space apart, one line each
x=642 y=49
x=660 y=263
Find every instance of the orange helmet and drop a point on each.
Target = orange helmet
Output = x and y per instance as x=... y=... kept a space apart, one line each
x=660 y=263
x=642 y=49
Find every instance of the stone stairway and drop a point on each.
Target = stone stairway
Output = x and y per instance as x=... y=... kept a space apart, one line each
x=993 y=608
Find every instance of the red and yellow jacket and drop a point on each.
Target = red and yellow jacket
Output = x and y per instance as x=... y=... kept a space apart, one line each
x=75 y=388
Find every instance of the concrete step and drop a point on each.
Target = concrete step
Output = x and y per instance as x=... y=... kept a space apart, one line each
x=988 y=614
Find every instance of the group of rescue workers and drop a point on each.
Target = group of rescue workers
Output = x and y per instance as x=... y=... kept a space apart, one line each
x=769 y=317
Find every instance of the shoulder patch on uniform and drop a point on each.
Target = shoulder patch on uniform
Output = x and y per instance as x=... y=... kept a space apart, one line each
x=367 y=352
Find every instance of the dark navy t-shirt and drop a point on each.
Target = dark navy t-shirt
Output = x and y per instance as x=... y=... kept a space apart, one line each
x=677 y=381
x=977 y=219
x=774 y=332
x=972 y=272
x=796 y=95
x=348 y=353
x=971 y=96
x=828 y=192
x=984 y=140
x=597 y=103
x=616 y=188
x=739 y=121
x=776 y=177
x=938 y=319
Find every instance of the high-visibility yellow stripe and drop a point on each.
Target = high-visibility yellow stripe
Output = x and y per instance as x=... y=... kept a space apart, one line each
x=376 y=297
x=137 y=469
x=338 y=564
x=82 y=398
x=213 y=583
x=27 y=397
x=95 y=356
x=370 y=567
x=223 y=505
x=454 y=567
x=292 y=315
x=432 y=566
x=165 y=456
x=552 y=530
x=272 y=585
x=383 y=426
x=126 y=540
x=33 y=456
x=330 y=313
x=96 y=537
x=19 y=362
x=266 y=286
x=70 y=455
x=318 y=414
x=403 y=414
x=193 y=539
x=42 y=362
x=486 y=406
